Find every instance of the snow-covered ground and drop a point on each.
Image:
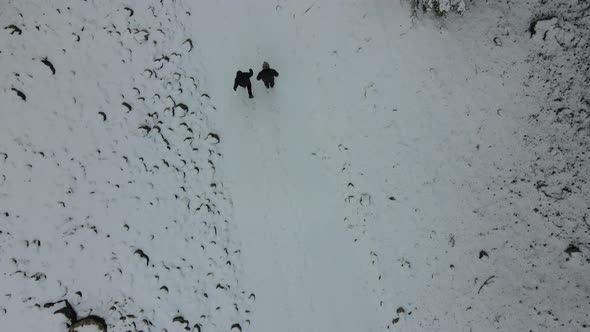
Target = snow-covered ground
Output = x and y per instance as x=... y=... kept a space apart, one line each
x=406 y=173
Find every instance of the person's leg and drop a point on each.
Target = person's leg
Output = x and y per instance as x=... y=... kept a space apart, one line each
x=266 y=84
x=272 y=84
x=249 y=86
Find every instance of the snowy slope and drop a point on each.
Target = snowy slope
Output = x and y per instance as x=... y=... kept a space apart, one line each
x=110 y=197
x=370 y=132
x=387 y=182
x=417 y=146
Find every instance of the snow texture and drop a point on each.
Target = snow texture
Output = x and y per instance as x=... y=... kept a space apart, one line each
x=404 y=174
x=440 y=7
x=110 y=195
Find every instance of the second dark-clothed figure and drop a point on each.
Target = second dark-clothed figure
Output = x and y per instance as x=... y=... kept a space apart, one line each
x=267 y=75
x=243 y=80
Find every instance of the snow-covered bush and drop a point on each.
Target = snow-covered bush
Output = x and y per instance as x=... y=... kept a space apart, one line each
x=439 y=7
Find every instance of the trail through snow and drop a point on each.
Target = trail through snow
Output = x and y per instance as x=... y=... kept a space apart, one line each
x=313 y=164
x=286 y=205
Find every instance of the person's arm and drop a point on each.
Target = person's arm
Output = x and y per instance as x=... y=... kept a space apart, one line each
x=235 y=84
x=276 y=73
x=259 y=76
x=251 y=73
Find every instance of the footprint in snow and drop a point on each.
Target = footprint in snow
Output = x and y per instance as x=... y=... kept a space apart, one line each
x=20 y=94
x=48 y=64
x=14 y=29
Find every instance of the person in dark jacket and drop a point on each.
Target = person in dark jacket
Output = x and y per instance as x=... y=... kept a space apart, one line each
x=267 y=75
x=243 y=80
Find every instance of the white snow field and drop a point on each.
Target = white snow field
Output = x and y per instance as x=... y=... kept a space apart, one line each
x=407 y=172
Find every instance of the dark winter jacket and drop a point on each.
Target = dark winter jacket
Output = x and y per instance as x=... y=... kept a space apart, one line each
x=267 y=75
x=243 y=79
